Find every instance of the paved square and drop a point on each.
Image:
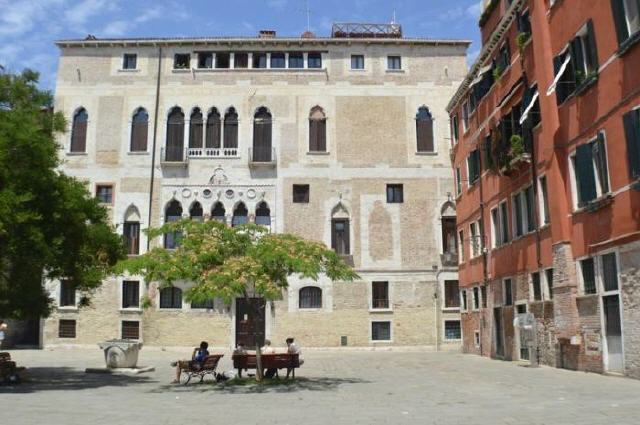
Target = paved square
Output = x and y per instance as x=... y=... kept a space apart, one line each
x=334 y=387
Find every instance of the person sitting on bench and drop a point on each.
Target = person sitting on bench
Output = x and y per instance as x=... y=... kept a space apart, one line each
x=197 y=358
x=268 y=349
x=292 y=348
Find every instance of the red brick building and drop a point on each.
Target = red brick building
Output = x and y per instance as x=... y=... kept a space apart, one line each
x=546 y=156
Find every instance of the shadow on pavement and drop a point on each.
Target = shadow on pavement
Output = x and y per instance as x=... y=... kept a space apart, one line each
x=37 y=379
x=269 y=387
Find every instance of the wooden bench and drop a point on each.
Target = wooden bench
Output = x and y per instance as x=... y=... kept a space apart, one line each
x=269 y=361
x=208 y=367
x=9 y=372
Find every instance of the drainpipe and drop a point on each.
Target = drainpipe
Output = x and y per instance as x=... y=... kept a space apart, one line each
x=155 y=138
x=485 y=273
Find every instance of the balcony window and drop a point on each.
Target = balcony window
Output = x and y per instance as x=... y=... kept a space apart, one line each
x=241 y=60
x=278 y=60
x=259 y=60
x=296 y=60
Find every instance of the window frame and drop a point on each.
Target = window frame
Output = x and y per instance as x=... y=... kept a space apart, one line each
x=311 y=298
x=184 y=67
x=532 y=287
x=391 y=60
x=334 y=235
x=123 y=292
x=98 y=186
x=122 y=333
x=543 y=201
x=68 y=321
x=395 y=193
x=461 y=258
x=579 y=205
x=372 y=301
x=511 y=301
x=371 y=322
x=172 y=308
x=598 y=270
x=64 y=286
x=464 y=301
x=357 y=57
x=125 y=61
x=459 y=186
x=456 y=295
x=319 y=58
x=296 y=196
x=475 y=305
x=444 y=330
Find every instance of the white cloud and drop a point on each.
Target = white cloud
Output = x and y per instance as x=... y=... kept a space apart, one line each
x=474 y=10
x=79 y=14
x=17 y=20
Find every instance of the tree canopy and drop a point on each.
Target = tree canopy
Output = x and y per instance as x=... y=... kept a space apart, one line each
x=229 y=262
x=50 y=226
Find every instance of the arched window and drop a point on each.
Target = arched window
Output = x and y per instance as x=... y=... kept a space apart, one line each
x=195 y=129
x=196 y=212
x=79 y=131
x=172 y=213
x=310 y=297
x=240 y=215
x=175 y=135
x=171 y=297
x=340 y=233
x=424 y=130
x=218 y=213
x=317 y=130
x=262 y=135
x=131 y=230
x=263 y=214
x=231 y=128
x=213 y=129
x=139 y=131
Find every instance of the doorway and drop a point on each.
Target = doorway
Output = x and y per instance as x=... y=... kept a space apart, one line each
x=250 y=321
x=497 y=320
x=613 y=332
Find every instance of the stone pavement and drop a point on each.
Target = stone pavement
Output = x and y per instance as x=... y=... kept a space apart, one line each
x=334 y=387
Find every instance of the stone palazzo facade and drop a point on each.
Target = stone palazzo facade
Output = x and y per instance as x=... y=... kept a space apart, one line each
x=340 y=140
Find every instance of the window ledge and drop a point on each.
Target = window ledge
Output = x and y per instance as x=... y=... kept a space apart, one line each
x=129 y=71
x=318 y=153
x=169 y=310
x=452 y=340
x=582 y=296
x=377 y=341
x=181 y=70
x=596 y=204
x=76 y=154
x=132 y=310
x=380 y=310
x=357 y=70
x=138 y=153
x=584 y=86
x=427 y=153
x=223 y=70
x=626 y=45
x=309 y=310
x=395 y=71
x=68 y=309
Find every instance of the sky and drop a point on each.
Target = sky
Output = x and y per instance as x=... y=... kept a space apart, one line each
x=28 y=28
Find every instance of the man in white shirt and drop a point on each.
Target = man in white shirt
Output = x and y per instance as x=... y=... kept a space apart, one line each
x=292 y=348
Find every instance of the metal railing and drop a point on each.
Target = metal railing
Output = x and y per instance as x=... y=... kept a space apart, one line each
x=213 y=152
x=382 y=303
x=262 y=155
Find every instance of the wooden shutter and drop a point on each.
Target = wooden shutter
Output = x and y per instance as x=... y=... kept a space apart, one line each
x=424 y=130
x=79 y=136
x=620 y=19
x=213 y=131
x=231 y=131
x=195 y=131
x=592 y=49
x=313 y=135
x=139 y=135
x=585 y=176
x=321 y=138
x=632 y=132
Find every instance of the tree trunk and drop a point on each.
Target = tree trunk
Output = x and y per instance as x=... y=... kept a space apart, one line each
x=256 y=313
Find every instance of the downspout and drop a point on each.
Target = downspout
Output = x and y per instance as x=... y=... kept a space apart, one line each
x=155 y=138
x=484 y=244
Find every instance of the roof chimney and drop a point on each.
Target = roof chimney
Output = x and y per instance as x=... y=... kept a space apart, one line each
x=308 y=34
x=267 y=34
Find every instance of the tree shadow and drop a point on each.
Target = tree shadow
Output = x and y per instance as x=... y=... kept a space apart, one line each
x=249 y=386
x=37 y=379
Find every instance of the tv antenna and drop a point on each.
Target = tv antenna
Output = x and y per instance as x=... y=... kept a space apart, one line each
x=307 y=11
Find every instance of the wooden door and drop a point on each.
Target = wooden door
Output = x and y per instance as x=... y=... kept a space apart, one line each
x=250 y=321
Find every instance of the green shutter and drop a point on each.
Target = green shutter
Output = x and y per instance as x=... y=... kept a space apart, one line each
x=585 y=176
x=620 y=19
x=632 y=131
x=592 y=52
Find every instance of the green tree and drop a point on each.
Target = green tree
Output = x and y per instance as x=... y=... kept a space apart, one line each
x=50 y=226
x=235 y=262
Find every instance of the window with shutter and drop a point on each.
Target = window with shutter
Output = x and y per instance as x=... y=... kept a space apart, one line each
x=626 y=14
x=536 y=286
x=544 y=202
x=495 y=222
x=130 y=294
x=79 y=131
x=173 y=213
x=591 y=170
x=231 y=128
x=587 y=267
x=213 y=129
x=131 y=232
x=340 y=236
x=508 y=292
x=67 y=294
x=175 y=135
x=631 y=122
x=454 y=128
x=451 y=294
x=424 y=130
x=139 y=131
x=380 y=295
x=317 y=130
x=262 y=136
x=195 y=129
x=488 y=152
x=504 y=222
x=473 y=166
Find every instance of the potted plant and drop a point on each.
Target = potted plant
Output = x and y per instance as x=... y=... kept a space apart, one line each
x=521 y=40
